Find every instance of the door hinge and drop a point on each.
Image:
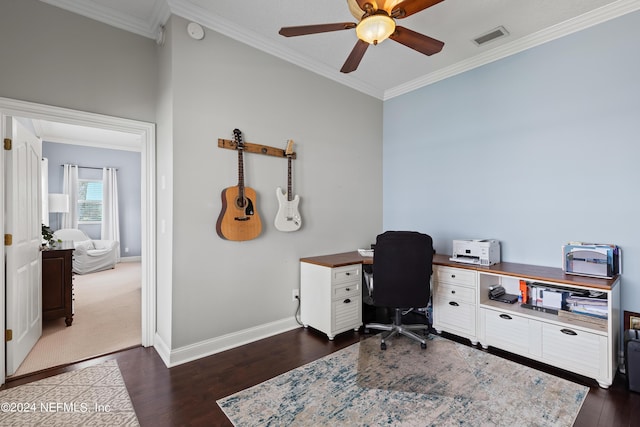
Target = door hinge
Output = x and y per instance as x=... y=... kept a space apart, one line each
x=8 y=239
x=7 y=143
x=8 y=335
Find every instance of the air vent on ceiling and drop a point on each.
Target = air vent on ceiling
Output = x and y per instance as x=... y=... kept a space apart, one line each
x=494 y=34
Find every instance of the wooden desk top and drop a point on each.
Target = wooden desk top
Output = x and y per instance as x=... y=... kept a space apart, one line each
x=534 y=272
x=338 y=260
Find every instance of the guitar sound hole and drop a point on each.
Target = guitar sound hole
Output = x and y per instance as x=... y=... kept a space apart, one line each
x=241 y=202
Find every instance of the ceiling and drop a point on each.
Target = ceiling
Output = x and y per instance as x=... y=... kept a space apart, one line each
x=388 y=69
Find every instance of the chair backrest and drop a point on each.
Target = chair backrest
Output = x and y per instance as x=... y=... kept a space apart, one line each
x=71 y=234
x=402 y=267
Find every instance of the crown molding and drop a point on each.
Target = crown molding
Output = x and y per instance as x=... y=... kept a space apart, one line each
x=186 y=9
x=91 y=9
x=597 y=16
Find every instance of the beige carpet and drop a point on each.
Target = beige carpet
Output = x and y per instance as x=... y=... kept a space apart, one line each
x=448 y=384
x=93 y=396
x=106 y=318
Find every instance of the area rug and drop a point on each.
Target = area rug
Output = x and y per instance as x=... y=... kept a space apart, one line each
x=93 y=396
x=448 y=384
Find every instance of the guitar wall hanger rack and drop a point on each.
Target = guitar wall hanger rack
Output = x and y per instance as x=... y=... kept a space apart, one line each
x=254 y=148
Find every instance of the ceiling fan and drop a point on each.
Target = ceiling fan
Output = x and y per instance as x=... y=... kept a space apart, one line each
x=376 y=23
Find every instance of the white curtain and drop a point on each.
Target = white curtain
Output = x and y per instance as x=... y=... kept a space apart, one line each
x=70 y=187
x=110 y=219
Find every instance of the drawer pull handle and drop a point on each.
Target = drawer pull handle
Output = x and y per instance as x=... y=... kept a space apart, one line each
x=347 y=301
x=453 y=292
x=347 y=289
x=453 y=303
x=506 y=316
x=347 y=273
x=568 y=332
x=453 y=276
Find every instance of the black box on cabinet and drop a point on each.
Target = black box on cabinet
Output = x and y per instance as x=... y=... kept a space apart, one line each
x=632 y=358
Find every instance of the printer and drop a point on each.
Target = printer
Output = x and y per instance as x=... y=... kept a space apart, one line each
x=479 y=252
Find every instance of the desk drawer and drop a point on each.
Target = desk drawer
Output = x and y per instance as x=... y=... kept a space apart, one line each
x=346 y=274
x=459 y=294
x=345 y=290
x=454 y=317
x=512 y=333
x=346 y=314
x=457 y=276
x=578 y=351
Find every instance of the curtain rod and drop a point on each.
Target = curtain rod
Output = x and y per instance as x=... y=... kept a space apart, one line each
x=90 y=167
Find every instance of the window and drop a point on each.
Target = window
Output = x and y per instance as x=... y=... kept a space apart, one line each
x=89 y=201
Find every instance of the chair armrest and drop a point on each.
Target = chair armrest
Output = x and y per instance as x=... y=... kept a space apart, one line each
x=105 y=244
x=80 y=250
x=99 y=252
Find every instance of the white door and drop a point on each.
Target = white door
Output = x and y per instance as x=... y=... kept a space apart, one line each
x=23 y=260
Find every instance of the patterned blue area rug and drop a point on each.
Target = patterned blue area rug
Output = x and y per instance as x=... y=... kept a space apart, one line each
x=445 y=385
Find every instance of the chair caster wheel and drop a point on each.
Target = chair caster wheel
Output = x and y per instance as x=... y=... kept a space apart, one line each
x=423 y=345
x=383 y=346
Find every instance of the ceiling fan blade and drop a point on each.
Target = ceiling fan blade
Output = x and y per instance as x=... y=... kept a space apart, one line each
x=355 y=57
x=409 y=7
x=314 y=29
x=420 y=42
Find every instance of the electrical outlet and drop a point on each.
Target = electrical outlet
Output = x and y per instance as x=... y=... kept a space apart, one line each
x=295 y=295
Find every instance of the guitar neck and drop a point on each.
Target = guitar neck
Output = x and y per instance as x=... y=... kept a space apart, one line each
x=240 y=175
x=289 y=186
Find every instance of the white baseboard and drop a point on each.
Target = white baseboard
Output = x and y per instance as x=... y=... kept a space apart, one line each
x=216 y=345
x=162 y=349
x=131 y=259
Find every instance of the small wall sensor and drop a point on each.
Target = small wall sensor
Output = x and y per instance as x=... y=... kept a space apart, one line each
x=195 y=31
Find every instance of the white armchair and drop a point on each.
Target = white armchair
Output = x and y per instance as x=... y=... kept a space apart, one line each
x=89 y=255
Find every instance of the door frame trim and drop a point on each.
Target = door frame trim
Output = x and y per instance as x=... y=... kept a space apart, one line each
x=147 y=133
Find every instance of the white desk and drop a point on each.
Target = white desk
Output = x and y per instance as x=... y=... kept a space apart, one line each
x=331 y=292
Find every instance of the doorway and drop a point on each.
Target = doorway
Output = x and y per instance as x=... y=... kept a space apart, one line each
x=146 y=134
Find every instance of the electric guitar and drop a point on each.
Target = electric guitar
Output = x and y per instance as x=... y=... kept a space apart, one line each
x=239 y=219
x=288 y=218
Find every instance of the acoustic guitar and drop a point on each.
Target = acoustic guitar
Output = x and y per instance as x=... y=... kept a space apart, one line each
x=239 y=219
x=288 y=217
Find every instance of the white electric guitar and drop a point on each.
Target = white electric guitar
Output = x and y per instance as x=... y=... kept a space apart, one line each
x=288 y=218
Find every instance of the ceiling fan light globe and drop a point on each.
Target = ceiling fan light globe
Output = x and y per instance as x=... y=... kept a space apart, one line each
x=375 y=28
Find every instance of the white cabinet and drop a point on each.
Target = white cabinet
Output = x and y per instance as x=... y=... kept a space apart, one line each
x=331 y=297
x=586 y=348
x=461 y=306
x=454 y=301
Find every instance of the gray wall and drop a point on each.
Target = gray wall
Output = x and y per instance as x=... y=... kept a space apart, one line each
x=197 y=92
x=535 y=150
x=218 y=84
x=128 y=165
x=54 y=57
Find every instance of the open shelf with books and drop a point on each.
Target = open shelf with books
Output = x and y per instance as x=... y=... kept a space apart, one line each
x=580 y=307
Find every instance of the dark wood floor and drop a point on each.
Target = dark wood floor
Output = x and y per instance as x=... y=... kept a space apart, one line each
x=186 y=394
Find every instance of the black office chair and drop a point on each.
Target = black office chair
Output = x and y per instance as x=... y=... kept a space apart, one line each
x=402 y=267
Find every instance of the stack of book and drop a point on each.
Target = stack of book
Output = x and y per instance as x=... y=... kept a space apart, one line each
x=540 y=297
